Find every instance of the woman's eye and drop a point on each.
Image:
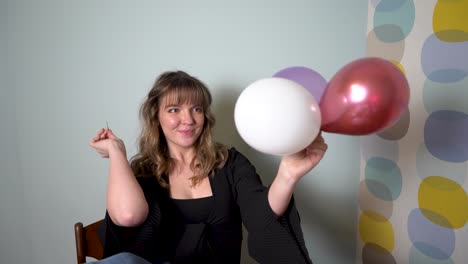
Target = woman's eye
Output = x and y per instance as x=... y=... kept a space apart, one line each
x=172 y=110
x=198 y=109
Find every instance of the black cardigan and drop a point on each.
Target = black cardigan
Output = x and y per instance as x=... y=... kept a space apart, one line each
x=240 y=197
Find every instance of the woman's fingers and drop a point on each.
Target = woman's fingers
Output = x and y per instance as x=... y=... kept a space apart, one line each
x=102 y=133
x=319 y=139
x=110 y=134
x=98 y=135
x=318 y=146
x=100 y=142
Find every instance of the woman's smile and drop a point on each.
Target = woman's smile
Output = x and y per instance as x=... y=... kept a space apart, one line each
x=186 y=132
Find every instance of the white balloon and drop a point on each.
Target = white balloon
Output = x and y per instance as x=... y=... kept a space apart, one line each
x=277 y=116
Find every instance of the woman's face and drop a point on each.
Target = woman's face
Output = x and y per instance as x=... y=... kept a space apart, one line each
x=181 y=124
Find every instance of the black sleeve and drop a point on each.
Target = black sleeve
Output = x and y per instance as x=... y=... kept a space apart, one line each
x=137 y=240
x=271 y=239
x=250 y=193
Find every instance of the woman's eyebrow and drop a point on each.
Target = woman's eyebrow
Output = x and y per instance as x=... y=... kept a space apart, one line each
x=170 y=105
x=178 y=105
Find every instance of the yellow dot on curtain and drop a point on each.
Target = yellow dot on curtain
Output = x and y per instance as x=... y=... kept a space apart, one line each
x=450 y=20
x=376 y=229
x=398 y=64
x=445 y=198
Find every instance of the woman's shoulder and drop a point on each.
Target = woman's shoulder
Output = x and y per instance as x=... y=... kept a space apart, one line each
x=146 y=179
x=152 y=189
x=148 y=183
x=235 y=157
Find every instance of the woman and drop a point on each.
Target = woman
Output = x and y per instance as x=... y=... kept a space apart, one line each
x=183 y=197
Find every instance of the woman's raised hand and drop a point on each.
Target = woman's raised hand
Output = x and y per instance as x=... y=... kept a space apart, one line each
x=297 y=165
x=104 y=142
x=292 y=168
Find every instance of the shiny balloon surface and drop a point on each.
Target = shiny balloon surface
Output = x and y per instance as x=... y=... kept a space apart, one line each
x=364 y=97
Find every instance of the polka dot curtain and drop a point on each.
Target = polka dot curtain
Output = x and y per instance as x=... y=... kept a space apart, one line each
x=413 y=192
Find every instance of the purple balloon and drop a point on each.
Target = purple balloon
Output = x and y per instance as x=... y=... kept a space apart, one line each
x=310 y=79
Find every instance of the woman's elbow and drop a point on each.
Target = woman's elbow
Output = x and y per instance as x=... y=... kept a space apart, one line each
x=129 y=219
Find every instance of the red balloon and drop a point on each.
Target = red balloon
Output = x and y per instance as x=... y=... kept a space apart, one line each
x=364 y=97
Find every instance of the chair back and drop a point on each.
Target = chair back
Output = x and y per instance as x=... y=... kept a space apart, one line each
x=87 y=241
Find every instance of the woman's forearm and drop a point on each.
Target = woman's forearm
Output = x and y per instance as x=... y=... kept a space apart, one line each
x=126 y=203
x=292 y=168
x=280 y=192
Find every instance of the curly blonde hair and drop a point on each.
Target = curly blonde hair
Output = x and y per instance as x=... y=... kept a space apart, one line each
x=153 y=157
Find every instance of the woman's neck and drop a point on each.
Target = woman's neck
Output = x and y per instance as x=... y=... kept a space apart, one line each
x=182 y=161
x=182 y=157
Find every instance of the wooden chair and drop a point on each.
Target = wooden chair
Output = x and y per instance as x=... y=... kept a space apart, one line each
x=87 y=242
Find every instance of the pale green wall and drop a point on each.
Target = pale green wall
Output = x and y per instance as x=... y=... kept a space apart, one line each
x=76 y=64
x=12 y=223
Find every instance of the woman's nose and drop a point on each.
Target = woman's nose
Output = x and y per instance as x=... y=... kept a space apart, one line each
x=187 y=117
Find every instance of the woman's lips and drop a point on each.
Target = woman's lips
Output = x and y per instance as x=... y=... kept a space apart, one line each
x=186 y=132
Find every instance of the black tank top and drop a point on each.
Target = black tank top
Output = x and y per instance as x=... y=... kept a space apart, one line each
x=194 y=210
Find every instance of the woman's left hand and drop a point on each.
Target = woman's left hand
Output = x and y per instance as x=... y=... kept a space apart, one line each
x=296 y=165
